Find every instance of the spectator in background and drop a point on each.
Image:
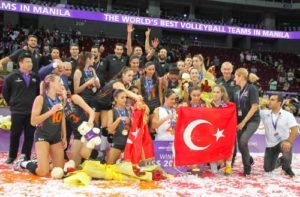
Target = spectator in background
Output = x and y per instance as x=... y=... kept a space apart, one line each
x=248 y=57
x=286 y=86
x=242 y=57
x=270 y=59
x=46 y=48
x=297 y=75
x=276 y=64
x=216 y=61
x=30 y=48
x=281 y=75
x=273 y=84
x=290 y=75
x=254 y=57
x=253 y=69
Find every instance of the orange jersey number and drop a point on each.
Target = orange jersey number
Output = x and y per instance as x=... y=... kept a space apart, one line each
x=74 y=118
x=57 y=117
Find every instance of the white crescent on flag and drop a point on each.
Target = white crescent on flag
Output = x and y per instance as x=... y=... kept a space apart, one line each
x=188 y=132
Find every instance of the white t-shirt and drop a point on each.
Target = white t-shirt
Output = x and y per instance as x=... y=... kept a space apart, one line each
x=161 y=132
x=283 y=121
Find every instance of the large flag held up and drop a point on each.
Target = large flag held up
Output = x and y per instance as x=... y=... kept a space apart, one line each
x=204 y=135
x=139 y=144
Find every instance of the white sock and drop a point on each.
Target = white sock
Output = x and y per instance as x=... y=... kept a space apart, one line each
x=24 y=164
x=228 y=163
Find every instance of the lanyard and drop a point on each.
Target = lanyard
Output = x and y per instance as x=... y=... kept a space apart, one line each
x=222 y=104
x=136 y=76
x=172 y=112
x=240 y=96
x=200 y=76
x=192 y=105
x=148 y=86
x=53 y=102
x=121 y=113
x=276 y=121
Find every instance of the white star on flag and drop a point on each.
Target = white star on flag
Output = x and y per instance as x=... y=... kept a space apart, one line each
x=135 y=133
x=219 y=134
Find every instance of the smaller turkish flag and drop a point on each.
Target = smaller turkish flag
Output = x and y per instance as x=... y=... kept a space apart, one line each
x=139 y=144
x=204 y=135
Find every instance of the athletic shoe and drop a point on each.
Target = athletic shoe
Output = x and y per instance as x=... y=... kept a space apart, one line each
x=251 y=161
x=10 y=160
x=289 y=172
x=228 y=170
x=17 y=166
x=247 y=171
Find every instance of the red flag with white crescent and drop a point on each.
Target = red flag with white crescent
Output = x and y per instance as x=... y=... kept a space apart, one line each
x=204 y=135
x=139 y=144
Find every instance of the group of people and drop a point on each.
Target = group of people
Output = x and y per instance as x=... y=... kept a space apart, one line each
x=50 y=103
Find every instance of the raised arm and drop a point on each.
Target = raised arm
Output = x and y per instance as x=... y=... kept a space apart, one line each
x=4 y=61
x=130 y=29
x=119 y=85
x=152 y=50
x=147 y=40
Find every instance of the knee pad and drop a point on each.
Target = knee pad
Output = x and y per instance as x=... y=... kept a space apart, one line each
x=110 y=138
x=31 y=166
x=104 y=131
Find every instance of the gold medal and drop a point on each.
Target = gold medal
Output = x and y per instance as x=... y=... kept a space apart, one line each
x=172 y=131
x=125 y=132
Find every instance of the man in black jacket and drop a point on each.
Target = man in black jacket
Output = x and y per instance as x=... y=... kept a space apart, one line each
x=30 y=48
x=19 y=91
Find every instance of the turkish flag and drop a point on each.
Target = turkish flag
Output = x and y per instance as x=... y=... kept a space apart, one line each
x=139 y=144
x=204 y=135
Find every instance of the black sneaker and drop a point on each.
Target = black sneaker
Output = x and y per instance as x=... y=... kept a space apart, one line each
x=10 y=160
x=247 y=171
x=289 y=172
x=278 y=162
x=251 y=161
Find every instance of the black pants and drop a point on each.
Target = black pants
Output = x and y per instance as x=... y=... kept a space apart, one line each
x=243 y=138
x=271 y=155
x=21 y=122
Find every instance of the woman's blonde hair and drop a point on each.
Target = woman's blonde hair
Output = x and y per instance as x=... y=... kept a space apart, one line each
x=225 y=97
x=251 y=77
x=49 y=78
